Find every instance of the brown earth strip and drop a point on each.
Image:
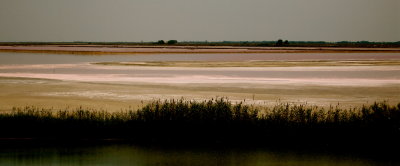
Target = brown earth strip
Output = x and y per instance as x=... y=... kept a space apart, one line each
x=254 y=63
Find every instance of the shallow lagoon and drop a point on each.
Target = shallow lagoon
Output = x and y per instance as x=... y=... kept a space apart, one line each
x=63 y=80
x=20 y=92
x=45 y=58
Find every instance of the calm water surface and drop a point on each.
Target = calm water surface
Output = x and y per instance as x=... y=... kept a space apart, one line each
x=124 y=155
x=76 y=68
x=38 y=58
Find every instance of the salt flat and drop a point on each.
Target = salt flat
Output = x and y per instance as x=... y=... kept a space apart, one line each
x=78 y=81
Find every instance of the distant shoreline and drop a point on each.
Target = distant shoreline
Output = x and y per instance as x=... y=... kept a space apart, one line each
x=128 y=49
x=254 y=63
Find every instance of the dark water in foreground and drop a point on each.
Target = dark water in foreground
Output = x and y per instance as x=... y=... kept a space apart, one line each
x=124 y=155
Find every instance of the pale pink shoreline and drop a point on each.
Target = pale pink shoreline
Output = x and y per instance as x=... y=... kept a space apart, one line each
x=87 y=72
x=115 y=78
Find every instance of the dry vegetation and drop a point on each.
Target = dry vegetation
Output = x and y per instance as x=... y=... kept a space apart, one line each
x=213 y=121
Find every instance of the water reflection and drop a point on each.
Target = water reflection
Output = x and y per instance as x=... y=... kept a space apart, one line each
x=124 y=155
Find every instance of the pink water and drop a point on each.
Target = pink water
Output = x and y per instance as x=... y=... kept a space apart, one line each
x=77 y=68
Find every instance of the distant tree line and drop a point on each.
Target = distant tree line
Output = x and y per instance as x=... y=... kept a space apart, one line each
x=170 y=42
x=281 y=43
x=276 y=43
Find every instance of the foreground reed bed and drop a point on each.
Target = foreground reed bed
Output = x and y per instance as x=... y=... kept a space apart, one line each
x=213 y=121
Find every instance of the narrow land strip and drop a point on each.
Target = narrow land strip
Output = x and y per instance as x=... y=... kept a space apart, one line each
x=121 y=49
x=255 y=63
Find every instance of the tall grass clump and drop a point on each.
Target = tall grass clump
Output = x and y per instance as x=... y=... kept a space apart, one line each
x=211 y=121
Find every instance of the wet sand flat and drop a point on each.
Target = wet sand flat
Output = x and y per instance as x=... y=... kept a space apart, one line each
x=121 y=87
x=309 y=75
x=20 y=92
x=76 y=80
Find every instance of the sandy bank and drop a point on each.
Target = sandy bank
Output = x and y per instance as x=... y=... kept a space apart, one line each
x=20 y=92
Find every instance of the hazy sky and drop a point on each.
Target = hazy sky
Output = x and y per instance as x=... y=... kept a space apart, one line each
x=212 y=20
